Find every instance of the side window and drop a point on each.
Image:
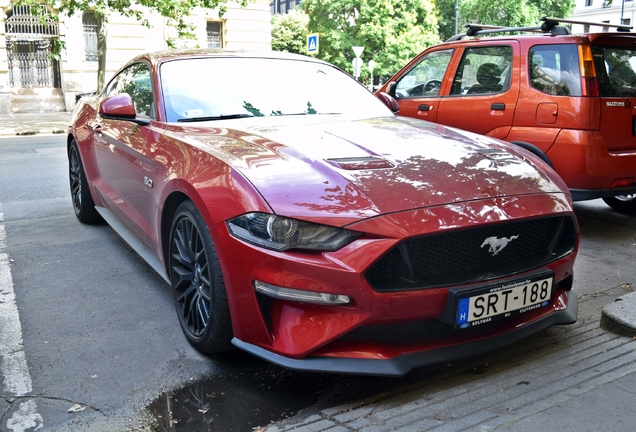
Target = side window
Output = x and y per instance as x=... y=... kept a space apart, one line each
x=483 y=70
x=111 y=88
x=555 y=70
x=135 y=80
x=425 y=79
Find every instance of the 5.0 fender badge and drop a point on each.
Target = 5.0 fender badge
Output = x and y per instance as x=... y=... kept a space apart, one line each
x=497 y=244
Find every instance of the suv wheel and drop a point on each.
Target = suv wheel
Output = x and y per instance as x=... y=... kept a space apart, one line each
x=622 y=203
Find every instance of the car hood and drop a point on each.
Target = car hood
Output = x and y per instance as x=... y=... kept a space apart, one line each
x=325 y=167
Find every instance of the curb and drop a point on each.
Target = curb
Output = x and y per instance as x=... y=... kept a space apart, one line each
x=26 y=124
x=620 y=317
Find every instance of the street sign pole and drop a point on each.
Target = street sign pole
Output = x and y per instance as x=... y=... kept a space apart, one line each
x=357 y=62
x=371 y=67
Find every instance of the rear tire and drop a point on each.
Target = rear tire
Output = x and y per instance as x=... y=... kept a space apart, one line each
x=622 y=203
x=197 y=283
x=83 y=204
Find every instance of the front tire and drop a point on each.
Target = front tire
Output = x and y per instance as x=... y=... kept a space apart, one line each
x=622 y=203
x=83 y=204
x=197 y=283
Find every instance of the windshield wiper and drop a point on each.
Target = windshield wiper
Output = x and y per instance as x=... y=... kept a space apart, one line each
x=219 y=117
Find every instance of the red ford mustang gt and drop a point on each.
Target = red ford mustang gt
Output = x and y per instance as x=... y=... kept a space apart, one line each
x=297 y=218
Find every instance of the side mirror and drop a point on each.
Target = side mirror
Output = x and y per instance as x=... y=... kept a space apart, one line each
x=120 y=107
x=389 y=101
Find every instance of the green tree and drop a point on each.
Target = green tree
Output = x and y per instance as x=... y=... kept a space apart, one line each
x=391 y=31
x=289 y=32
x=514 y=13
x=447 y=19
x=176 y=13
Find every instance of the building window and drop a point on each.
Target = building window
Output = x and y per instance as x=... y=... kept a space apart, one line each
x=605 y=29
x=215 y=34
x=626 y=21
x=90 y=36
x=588 y=2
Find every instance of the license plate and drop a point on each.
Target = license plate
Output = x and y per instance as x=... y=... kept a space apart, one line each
x=501 y=301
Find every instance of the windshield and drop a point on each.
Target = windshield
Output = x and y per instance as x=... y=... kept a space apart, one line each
x=222 y=88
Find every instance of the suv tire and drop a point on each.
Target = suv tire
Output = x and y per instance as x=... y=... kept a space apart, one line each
x=622 y=203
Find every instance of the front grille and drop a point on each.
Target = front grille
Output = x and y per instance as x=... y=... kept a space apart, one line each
x=463 y=256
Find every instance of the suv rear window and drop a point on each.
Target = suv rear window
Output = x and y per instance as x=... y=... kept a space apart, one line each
x=615 y=70
x=555 y=69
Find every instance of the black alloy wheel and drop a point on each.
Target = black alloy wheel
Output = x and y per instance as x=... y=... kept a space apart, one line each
x=83 y=204
x=622 y=203
x=197 y=283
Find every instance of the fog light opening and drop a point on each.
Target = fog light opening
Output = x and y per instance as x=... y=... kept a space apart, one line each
x=300 y=295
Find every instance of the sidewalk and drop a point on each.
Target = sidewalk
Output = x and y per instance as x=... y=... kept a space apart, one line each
x=18 y=124
x=570 y=378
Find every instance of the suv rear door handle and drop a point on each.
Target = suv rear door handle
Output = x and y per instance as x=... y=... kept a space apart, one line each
x=498 y=106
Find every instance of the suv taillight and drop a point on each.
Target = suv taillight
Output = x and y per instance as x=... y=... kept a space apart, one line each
x=589 y=83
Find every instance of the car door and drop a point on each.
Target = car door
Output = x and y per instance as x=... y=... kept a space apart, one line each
x=418 y=91
x=119 y=146
x=616 y=71
x=484 y=89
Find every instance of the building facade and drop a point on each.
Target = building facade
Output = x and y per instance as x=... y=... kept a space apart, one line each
x=602 y=11
x=283 y=6
x=31 y=81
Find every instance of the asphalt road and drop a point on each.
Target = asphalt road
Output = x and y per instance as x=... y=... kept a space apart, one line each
x=101 y=337
x=89 y=337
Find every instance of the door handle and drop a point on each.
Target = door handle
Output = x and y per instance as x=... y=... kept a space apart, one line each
x=424 y=107
x=498 y=107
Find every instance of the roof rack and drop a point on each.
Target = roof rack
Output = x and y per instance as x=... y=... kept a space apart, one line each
x=551 y=25
x=549 y=22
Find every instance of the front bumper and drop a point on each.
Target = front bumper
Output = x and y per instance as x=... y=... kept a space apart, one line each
x=402 y=364
x=381 y=332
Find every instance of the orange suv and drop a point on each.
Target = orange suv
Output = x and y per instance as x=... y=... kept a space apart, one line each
x=571 y=99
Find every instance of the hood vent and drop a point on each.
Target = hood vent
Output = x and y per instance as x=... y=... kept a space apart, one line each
x=360 y=163
x=489 y=151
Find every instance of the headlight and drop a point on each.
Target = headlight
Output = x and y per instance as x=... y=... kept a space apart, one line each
x=281 y=233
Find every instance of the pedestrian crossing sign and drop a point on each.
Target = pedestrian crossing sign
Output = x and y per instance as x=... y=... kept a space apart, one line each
x=312 y=43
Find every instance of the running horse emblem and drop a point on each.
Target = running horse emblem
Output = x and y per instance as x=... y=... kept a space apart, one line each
x=497 y=244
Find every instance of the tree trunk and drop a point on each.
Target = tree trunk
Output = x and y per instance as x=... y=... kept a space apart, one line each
x=101 y=51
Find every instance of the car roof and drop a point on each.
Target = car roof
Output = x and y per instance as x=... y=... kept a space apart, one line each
x=159 y=57
x=549 y=28
x=546 y=37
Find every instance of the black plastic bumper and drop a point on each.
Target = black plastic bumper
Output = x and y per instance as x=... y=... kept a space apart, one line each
x=401 y=365
x=590 y=194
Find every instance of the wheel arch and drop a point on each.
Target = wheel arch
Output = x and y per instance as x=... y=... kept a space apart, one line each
x=170 y=206
x=69 y=140
x=534 y=150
